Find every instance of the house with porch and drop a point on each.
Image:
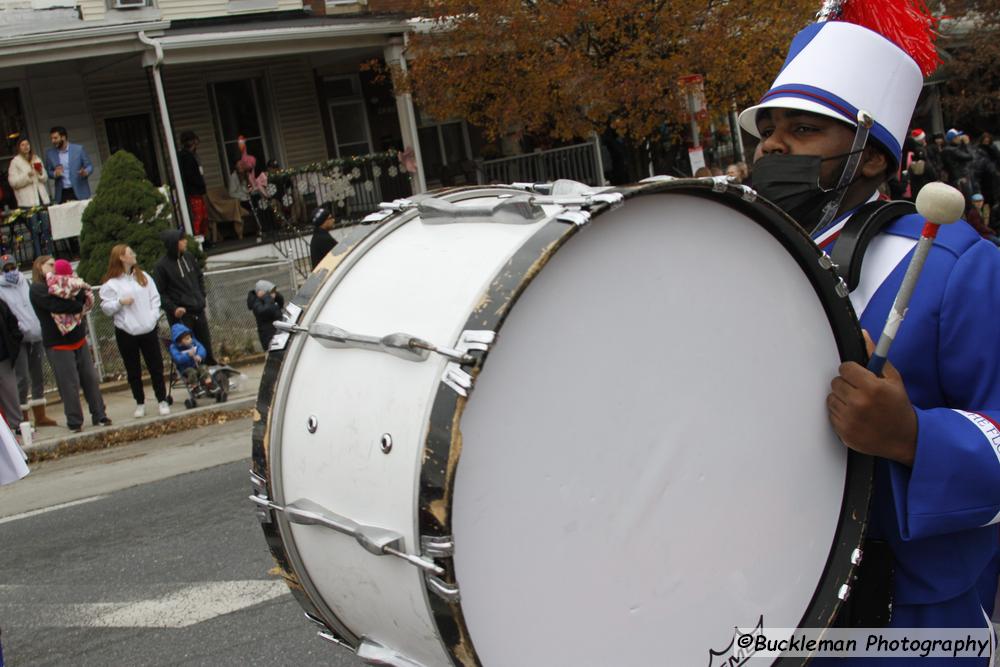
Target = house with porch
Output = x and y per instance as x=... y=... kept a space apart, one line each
x=289 y=77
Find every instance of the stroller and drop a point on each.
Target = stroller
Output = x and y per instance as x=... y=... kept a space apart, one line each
x=215 y=382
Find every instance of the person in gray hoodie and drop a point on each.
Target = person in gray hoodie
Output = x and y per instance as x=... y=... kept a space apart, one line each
x=28 y=363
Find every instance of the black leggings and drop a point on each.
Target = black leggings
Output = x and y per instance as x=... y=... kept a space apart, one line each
x=129 y=347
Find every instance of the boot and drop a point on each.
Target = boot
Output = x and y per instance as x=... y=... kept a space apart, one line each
x=40 y=418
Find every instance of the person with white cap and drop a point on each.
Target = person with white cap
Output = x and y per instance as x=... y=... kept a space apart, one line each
x=266 y=303
x=932 y=420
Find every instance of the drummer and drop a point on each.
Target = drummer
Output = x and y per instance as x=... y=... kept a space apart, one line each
x=932 y=420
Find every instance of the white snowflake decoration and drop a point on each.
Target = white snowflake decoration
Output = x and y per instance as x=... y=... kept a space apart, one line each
x=376 y=170
x=272 y=189
x=355 y=173
x=369 y=186
x=287 y=200
x=393 y=171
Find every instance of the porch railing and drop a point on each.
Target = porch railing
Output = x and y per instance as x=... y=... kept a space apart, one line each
x=578 y=163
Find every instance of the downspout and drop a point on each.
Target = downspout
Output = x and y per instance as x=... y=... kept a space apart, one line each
x=168 y=130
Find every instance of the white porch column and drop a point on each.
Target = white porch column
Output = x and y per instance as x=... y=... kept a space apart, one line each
x=407 y=115
x=168 y=130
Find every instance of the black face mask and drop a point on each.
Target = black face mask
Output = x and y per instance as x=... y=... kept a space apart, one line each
x=791 y=182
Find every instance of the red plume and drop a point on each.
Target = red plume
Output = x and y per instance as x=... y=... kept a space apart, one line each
x=906 y=23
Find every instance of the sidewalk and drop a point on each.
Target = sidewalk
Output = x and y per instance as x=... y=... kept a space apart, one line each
x=56 y=441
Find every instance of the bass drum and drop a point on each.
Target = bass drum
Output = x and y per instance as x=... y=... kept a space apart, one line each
x=575 y=427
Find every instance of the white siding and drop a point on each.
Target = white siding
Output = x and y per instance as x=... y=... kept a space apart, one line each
x=190 y=9
x=96 y=10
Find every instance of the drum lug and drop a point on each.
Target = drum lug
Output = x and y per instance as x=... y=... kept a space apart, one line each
x=260 y=491
x=328 y=634
x=454 y=375
x=578 y=218
x=374 y=540
x=826 y=262
x=374 y=653
x=437 y=547
x=856 y=556
x=843 y=290
x=844 y=592
x=447 y=592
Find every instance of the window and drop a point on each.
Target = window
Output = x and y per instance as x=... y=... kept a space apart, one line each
x=348 y=118
x=135 y=135
x=444 y=147
x=12 y=124
x=239 y=112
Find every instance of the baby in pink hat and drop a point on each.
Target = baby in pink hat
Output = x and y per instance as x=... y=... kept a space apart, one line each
x=65 y=284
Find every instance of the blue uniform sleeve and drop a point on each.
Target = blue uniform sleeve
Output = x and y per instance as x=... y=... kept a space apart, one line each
x=954 y=484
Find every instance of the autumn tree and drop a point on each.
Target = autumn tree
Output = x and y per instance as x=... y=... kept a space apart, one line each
x=569 y=68
x=971 y=38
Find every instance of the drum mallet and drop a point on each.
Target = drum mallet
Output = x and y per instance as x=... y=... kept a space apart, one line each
x=939 y=204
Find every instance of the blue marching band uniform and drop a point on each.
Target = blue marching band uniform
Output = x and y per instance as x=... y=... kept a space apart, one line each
x=940 y=517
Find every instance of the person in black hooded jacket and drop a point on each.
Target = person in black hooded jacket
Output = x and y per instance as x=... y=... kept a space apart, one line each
x=181 y=285
x=266 y=303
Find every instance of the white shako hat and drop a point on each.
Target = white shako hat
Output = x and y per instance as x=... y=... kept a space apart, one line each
x=835 y=69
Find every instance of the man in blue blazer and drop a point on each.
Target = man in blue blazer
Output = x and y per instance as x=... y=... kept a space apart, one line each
x=69 y=167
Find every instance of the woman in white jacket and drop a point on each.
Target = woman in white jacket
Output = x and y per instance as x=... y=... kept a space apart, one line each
x=129 y=295
x=27 y=177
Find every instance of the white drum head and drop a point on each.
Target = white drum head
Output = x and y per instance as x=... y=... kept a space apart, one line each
x=646 y=459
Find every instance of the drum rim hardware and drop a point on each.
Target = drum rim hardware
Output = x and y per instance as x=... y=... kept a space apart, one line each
x=374 y=540
x=385 y=442
x=402 y=345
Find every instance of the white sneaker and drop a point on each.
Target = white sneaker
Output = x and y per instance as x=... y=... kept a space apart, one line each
x=164 y=408
x=140 y=411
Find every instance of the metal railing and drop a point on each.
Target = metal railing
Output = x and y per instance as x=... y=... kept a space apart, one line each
x=233 y=326
x=578 y=163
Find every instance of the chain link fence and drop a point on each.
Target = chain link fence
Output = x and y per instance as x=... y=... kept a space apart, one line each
x=233 y=327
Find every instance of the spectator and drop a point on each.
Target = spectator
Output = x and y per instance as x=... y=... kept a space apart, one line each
x=978 y=218
x=28 y=363
x=987 y=169
x=322 y=241
x=935 y=151
x=266 y=302
x=958 y=159
x=10 y=347
x=129 y=296
x=182 y=288
x=26 y=176
x=69 y=167
x=188 y=354
x=62 y=282
x=68 y=353
x=917 y=168
x=193 y=180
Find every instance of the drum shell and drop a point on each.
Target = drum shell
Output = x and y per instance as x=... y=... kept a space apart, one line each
x=428 y=494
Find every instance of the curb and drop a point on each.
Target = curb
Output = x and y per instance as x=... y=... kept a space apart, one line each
x=105 y=438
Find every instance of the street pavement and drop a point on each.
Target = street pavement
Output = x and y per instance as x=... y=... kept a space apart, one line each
x=147 y=554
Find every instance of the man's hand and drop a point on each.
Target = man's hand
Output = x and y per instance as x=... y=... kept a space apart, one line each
x=83 y=172
x=871 y=414
x=58 y=171
x=179 y=312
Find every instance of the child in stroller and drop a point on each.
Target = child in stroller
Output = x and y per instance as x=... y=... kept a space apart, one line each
x=188 y=354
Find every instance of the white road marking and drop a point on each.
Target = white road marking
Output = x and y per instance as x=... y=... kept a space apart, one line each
x=51 y=508
x=179 y=608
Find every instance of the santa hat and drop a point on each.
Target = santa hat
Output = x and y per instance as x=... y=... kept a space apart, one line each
x=837 y=68
x=918 y=134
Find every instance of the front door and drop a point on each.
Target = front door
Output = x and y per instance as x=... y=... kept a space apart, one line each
x=135 y=135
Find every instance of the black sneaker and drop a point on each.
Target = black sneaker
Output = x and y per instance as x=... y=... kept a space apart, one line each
x=104 y=422
x=76 y=429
